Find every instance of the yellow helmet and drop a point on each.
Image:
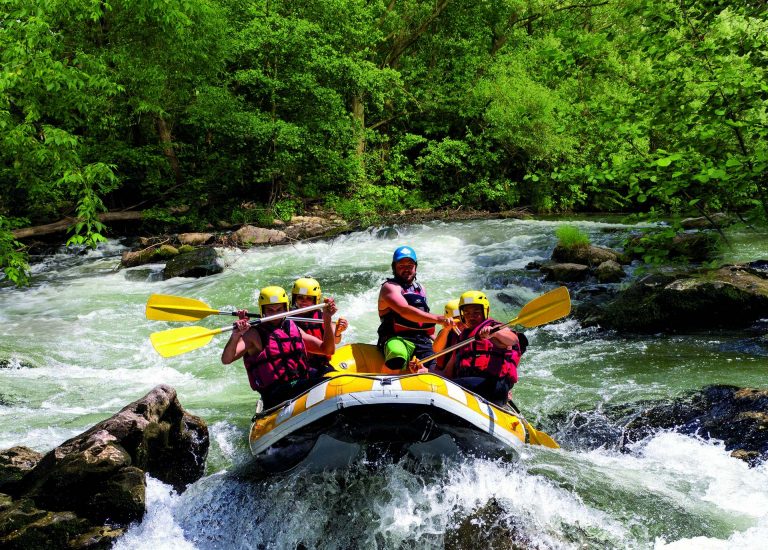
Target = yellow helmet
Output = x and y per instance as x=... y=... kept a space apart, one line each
x=272 y=295
x=474 y=297
x=452 y=309
x=307 y=287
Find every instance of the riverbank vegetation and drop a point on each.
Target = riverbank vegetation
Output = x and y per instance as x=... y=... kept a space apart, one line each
x=193 y=113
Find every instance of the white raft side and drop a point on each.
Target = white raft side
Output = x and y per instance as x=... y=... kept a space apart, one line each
x=387 y=394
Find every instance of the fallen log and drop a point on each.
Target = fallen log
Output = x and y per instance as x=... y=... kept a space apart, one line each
x=63 y=224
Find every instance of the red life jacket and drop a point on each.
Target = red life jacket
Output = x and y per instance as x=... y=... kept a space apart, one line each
x=315 y=360
x=315 y=329
x=283 y=358
x=393 y=324
x=482 y=358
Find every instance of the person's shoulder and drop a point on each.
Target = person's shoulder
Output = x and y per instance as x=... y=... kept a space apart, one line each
x=389 y=285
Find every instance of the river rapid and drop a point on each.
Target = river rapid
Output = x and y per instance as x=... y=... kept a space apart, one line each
x=74 y=349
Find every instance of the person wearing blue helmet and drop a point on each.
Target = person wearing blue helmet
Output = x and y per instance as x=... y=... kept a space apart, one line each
x=407 y=327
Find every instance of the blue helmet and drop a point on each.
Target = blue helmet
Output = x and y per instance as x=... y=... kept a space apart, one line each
x=404 y=252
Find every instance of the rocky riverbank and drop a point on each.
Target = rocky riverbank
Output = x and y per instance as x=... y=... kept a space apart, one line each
x=86 y=491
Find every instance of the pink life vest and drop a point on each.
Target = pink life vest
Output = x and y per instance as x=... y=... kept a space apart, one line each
x=283 y=358
x=482 y=358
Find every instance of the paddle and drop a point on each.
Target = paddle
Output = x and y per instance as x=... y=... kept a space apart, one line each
x=163 y=307
x=536 y=437
x=548 y=307
x=176 y=341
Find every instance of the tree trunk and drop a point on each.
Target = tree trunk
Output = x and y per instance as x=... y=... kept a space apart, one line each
x=62 y=225
x=358 y=115
x=164 y=132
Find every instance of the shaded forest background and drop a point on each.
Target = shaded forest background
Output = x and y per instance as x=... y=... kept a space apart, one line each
x=195 y=111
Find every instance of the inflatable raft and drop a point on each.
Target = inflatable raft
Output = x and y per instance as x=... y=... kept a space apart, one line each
x=364 y=407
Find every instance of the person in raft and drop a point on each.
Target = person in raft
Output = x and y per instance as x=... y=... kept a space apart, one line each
x=275 y=352
x=307 y=292
x=488 y=365
x=448 y=337
x=407 y=326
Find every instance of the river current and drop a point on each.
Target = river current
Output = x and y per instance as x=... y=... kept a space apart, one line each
x=74 y=349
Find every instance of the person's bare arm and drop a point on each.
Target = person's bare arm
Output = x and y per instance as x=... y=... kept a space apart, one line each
x=503 y=338
x=326 y=346
x=243 y=339
x=390 y=297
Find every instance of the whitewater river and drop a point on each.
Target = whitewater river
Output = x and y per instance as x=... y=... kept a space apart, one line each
x=74 y=349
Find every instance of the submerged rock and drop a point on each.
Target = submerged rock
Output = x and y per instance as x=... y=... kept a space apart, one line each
x=490 y=526
x=737 y=416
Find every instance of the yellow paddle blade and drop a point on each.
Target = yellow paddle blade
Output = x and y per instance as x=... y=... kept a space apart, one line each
x=176 y=341
x=540 y=438
x=162 y=307
x=548 y=307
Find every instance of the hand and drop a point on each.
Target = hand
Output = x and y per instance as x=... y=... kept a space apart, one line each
x=242 y=313
x=447 y=322
x=242 y=326
x=416 y=367
x=330 y=307
x=341 y=325
x=484 y=333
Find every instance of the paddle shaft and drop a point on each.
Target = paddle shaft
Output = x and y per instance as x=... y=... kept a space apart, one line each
x=282 y=315
x=464 y=342
x=302 y=319
x=544 y=309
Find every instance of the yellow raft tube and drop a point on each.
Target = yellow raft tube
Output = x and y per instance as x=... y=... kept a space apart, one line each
x=363 y=406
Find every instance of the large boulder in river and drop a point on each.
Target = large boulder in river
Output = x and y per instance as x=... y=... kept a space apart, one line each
x=586 y=255
x=732 y=296
x=307 y=227
x=200 y=262
x=250 y=235
x=99 y=476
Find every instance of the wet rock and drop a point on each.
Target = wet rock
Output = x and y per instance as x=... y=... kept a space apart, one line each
x=490 y=526
x=719 y=219
x=609 y=272
x=77 y=492
x=729 y=297
x=14 y=464
x=589 y=255
x=133 y=258
x=758 y=268
x=196 y=239
x=165 y=252
x=304 y=227
x=737 y=416
x=250 y=235
x=25 y=527
x=198 y=263
x=564 y=272
x=387 y=233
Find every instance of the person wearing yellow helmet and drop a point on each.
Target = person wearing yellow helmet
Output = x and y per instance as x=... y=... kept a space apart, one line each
x=407 y=327
x=487 y=365
x=275 y=352
x=306 y=292
x=448 y=337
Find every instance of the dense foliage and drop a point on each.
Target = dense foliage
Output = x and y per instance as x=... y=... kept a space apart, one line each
x=244 y=111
